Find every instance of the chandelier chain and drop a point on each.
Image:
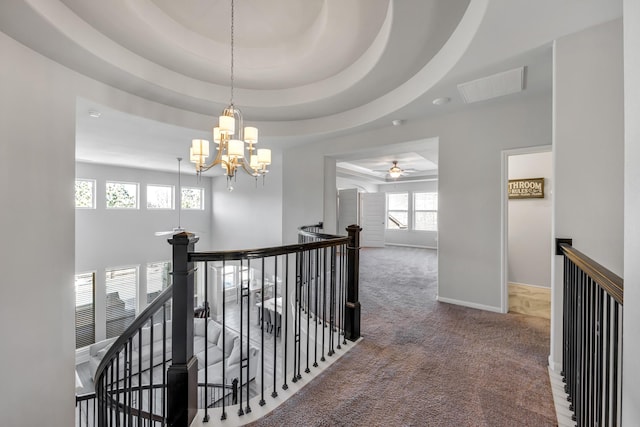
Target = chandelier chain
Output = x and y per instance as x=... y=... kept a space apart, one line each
x=232 y=43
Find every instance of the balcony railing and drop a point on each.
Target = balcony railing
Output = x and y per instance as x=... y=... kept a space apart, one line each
x=298 y=308
x=592 y=329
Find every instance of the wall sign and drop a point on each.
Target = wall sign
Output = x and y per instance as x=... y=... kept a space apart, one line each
x=531 y=188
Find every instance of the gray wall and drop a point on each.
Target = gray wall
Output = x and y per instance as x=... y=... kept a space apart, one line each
x=469 y=185
x=529 y=258
x=250 y=216
x=588 y=154
x=631 y=350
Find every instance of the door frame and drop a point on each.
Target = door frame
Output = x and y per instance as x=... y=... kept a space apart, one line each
x=504 y=216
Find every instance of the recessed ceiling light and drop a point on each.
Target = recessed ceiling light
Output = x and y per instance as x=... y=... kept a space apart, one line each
x=95 y=114
x=397 y=122
x=441 y=101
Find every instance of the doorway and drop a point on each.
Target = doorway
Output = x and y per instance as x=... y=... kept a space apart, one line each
x=526 y=226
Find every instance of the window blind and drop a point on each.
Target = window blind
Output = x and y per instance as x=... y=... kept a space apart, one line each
x=85 y=309
x=158 y=278
x=121 y=285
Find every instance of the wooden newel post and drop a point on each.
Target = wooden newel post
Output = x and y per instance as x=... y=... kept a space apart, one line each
x=182 y=375
x=352 y=310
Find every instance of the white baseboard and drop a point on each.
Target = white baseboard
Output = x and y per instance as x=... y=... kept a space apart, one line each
x=555 y=366
x=533 y=286
x=563 y=413
x=470 y=304
x=410 y=246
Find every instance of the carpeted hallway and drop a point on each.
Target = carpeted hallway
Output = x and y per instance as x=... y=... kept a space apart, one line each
x=425 y=363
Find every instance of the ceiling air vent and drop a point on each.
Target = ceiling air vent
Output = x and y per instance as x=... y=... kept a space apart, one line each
x=499 y=84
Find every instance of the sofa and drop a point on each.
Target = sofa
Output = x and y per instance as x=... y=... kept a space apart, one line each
x=211 y=344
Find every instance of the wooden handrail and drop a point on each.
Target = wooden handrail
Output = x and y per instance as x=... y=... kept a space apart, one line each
x=608 y=280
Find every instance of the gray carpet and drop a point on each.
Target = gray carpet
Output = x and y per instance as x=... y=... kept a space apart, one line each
x=425 y=363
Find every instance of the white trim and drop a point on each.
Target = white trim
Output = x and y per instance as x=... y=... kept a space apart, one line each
x=469 y=304
x=258 y=411
x=532 y=286
x=555 y=366
x=504 y=216
x=563 y=413
x=410 y=246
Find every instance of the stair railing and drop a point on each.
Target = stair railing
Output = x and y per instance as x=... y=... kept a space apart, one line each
x=592 y=338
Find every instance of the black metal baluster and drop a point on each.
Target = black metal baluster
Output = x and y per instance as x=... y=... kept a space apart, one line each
x=298 y=317
x=599 y=368
x=223 y=416
x=332 y=302
x=285 y=308
x=307 y=270
x=607 y=363
x=139 y=377
x=315 y=310
x=206 y=340
x=245 y=300
x=324 y=300
x=278 y=326
x=151 y=370
x=339 y=298
x=614 y=386
x=163 y=394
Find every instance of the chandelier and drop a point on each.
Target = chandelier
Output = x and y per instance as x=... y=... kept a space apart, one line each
x=230 y=137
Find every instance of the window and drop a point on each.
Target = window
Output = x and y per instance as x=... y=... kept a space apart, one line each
x=192 y=198
x=425 y=211
x=121 y=285
x=232 y=276
x=397 y=211
x=159 y=197
x=85 y=311
x=158 y=278
x=85 y=193
x=122 y=195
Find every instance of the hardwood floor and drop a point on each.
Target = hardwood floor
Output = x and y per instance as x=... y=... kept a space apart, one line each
x=530 y=300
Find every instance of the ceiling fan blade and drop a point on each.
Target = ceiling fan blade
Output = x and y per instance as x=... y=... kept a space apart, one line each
x=163 y=233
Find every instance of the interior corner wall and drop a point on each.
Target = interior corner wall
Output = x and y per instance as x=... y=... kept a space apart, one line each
x=471 y=142
x=588 y=154
x=37 y=130
x=631 y=320
x=250 y=216
x=529 y=233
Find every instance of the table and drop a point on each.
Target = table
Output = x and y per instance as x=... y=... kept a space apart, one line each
x=273 y=304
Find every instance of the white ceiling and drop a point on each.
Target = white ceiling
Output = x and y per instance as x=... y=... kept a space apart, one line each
x=304 y=70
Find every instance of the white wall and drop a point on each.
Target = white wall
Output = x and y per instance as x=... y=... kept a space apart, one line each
x=588 y=154
x=471 y=142
x=107 y=238
x=362 y=186
x=250 y=216
x=631 y=338
x=427 y=239
x=529 y=258
x=37 y=130
x=112 y=237
x=36 y=189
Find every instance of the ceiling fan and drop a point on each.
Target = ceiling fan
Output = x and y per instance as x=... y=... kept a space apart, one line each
x=395 y=171
x=178 y=229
